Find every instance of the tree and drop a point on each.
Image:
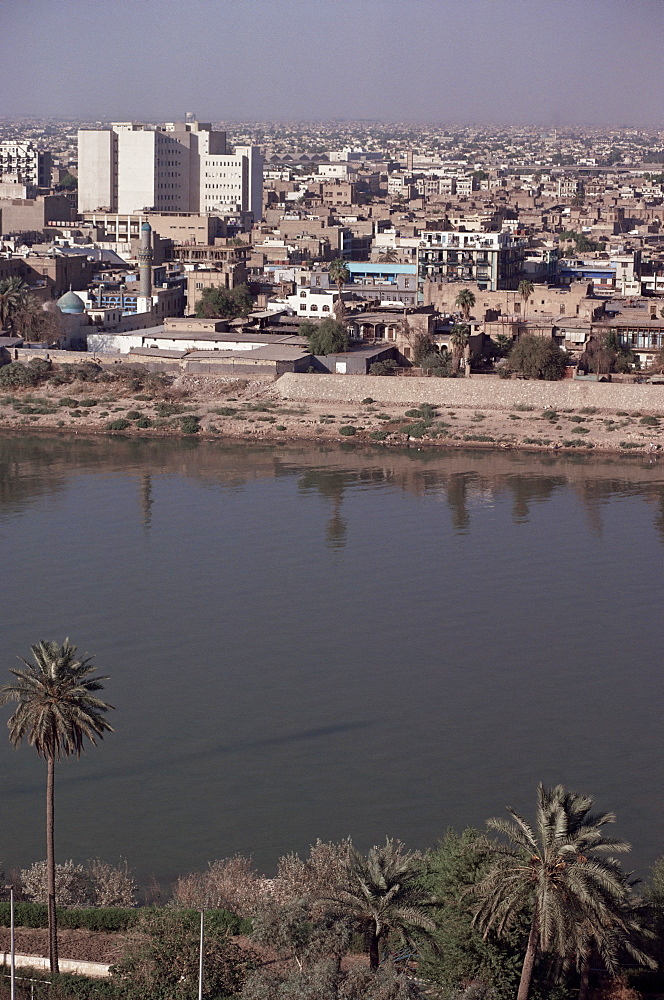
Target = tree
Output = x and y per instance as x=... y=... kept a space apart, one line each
x=557 y=874
x=462 y=954
x=460 y=340
x=12 y=292
x=162 y=961
x=225 y=303
x=58 y=709
x=380 y=894
x=526 y=289
x=537 y=357
x=68 y=182
x=389 y=256
x=465 y=301
x=340 y=275
x=326 y=337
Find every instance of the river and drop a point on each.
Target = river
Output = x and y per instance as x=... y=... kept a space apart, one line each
x=305 y=642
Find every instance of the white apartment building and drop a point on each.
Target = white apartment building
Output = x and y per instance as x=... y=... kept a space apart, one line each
x=30 y=165
x=176 y=167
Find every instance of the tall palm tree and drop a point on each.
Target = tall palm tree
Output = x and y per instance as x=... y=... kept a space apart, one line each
x=465 y=301
x=57 y=710
x=12 y=294
x=389 y=256
x=379 y=894
x=460 y=339
x=339 y=274
x=526 y=289
x=576 y=899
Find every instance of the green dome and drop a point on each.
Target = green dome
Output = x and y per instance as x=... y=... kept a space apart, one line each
x=70 y=302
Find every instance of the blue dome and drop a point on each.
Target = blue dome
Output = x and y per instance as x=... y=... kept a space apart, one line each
x=70 y=303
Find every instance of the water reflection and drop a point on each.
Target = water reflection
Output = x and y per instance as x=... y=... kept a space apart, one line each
x=31 y=467
x=308 y=641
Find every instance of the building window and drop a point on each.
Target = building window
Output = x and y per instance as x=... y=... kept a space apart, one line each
x=325 y=309
x=314 y=309
x=303 y=295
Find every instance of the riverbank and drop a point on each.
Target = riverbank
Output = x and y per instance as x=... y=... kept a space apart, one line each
x=431 y=413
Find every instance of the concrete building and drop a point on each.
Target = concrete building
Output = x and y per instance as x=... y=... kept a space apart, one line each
x=492 y=260
x=177 y=167
x=31 y=165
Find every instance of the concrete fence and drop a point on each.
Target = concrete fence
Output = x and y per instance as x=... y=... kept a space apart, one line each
x=477 y=392
x=95 y=969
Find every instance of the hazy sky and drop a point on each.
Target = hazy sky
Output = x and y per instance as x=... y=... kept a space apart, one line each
x=549 y=62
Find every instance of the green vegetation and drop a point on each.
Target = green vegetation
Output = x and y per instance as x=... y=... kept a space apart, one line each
x=225 y=303
x=121 y=424
x=326 y=337
x=190 y=424
x=58 y=709
x=348 y=430
x=537 y=358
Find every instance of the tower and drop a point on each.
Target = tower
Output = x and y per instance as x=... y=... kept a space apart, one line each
x=145 y=258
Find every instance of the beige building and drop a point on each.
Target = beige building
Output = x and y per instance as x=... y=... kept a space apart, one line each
x=177 y=167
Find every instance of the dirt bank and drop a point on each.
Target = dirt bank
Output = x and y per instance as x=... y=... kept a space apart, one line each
x=238 y=409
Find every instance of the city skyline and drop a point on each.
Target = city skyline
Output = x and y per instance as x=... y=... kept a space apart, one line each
x=488 y=62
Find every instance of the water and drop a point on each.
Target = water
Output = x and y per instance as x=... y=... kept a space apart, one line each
x=306 y=642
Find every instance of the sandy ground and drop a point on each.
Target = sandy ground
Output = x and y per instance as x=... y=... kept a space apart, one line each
x=252 y=410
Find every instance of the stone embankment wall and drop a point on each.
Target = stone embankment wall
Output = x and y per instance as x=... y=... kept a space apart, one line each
x=66 y=965
x=477 y=392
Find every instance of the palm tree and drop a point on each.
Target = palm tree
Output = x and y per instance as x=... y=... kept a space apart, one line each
x=57 y=710
x=576 y=899
x=12 y=293
x=389 y=256
x=380 y=894
x=465 y=301
x=460 y=339
x=339 y=274
x=526 y=289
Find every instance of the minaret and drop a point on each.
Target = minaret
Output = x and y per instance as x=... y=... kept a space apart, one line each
x=145 y=258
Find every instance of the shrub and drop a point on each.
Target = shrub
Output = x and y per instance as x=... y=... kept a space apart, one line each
x=649 y=421
x=118 y=425
x=580 y=430
x=631 y=444
x=550 y=415
x=225 y=411
x=537 y=358
x=143 y=422
x=281 y=427
x=190 y=425
x=72 y=884
x=68 y=401
x=134 y=414
x=379 y=435
x=588 y=409
x=577 y=420
x=165 y=409
x=383 y=368
x=524 y=408
x=348 y=430
x=17 y=375
x=88 y=402
x=368 y=399
x=504 y=372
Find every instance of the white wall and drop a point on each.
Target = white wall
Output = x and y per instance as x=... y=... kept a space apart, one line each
x=96 y=160
x=136 y=171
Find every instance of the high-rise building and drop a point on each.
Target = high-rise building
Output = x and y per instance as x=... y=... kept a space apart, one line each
x=24 y=160
x=176 y=167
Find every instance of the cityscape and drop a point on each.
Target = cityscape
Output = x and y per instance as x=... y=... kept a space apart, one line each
x=331 y=437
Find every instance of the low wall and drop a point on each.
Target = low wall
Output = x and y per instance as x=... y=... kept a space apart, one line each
x=477 y=392
x=95 y=969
